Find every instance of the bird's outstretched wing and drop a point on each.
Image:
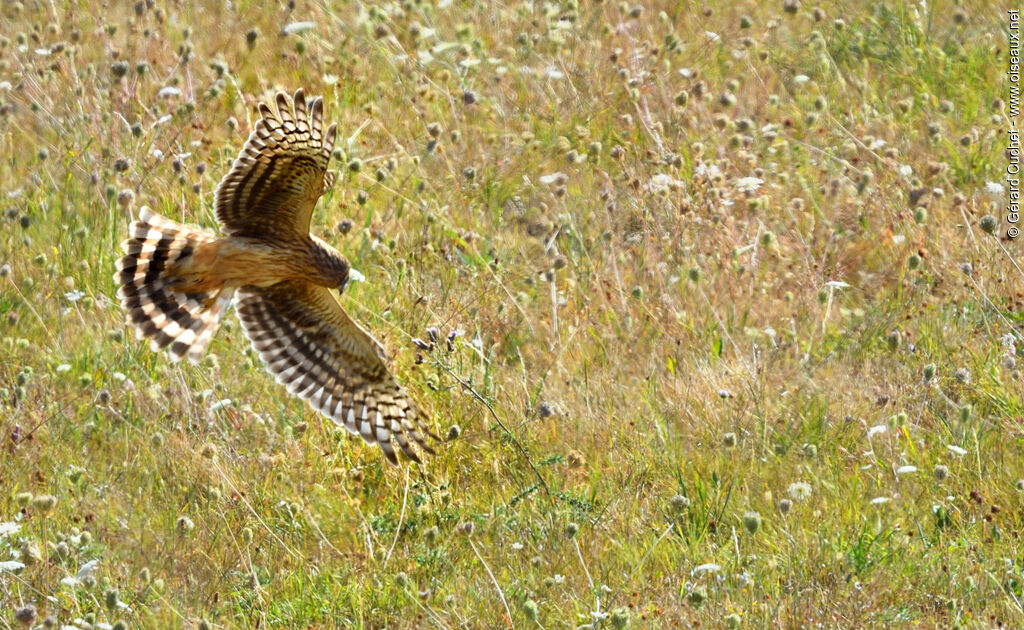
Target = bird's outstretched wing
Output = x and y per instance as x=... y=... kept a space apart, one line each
x=311 y=345
x=278 y=176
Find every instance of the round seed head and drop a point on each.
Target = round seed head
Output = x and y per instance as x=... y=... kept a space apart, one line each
x=44 y=504
x=29 y=553
x=697 y=596
x=111 y=598
x=576 y=459
x=433 y=534
x=530 y=610
x=125 y=198
x=752 y=522
x=26 y=615
x=965 y=413
x=678 y=503
x=619 y=618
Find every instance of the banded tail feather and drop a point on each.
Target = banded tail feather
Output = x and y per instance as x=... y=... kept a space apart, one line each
x=181 y=321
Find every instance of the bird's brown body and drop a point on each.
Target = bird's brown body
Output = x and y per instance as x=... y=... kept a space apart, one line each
x=235 y=261
x=176 y=282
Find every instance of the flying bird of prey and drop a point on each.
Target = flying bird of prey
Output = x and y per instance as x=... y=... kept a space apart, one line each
x=176 y=282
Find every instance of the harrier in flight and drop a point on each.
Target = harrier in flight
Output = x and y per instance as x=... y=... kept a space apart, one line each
x=177 y=281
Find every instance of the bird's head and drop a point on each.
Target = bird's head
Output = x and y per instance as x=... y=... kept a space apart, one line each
x=341 y=273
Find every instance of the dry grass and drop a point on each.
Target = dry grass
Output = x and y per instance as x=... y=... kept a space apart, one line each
x=652 y=346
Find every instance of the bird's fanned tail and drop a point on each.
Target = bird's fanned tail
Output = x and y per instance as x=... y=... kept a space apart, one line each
x=183 y=323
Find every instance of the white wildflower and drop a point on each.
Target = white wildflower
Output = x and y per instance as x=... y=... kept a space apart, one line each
x=88 y=569
x=707 y=172
x=801 y=78
x=799 y=490
x=558 y=177
x=906 y=470
x=994 y=188
x=355 y=275
x=63 y=367
x=875 y=430
x=297 y=27
x=6 y=529
x=11 y=565
x=748 y=185
x=710 y=567
x=74 y=296
x=956 y=450
x=661 y=181
x=221 y=404
x=169 y=92
x=880 y=500
x=1009 y=342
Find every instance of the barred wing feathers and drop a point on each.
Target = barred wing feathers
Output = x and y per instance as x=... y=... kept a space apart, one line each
x=279 y=174
x=311 y=345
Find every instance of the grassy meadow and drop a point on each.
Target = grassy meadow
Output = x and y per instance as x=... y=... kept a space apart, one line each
x=728 y=325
